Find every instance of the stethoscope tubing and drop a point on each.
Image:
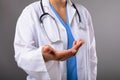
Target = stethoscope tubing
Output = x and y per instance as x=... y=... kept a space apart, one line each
x=45 y=14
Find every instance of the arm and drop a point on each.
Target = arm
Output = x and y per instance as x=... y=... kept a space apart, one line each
x=27 y=55
x=92 y=49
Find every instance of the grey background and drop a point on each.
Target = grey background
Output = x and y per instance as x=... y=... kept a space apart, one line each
x=106 y=21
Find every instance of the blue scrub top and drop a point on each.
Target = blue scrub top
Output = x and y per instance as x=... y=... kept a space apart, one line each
x=71 y=62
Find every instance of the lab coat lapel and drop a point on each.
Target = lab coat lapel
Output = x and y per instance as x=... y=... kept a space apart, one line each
x=71 y=14
x=71 y=11
x=46 y=6
x=45 y=3
x=50 y=26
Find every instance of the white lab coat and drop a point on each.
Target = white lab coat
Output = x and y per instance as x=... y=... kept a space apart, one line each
x=30 y=37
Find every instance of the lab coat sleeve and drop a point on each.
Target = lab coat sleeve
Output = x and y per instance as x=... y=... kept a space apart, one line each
x=92 y=49
x=27 y=55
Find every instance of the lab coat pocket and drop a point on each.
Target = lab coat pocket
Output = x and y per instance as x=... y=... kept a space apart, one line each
x=82 y=26
x=51 y=29
x=80 y=31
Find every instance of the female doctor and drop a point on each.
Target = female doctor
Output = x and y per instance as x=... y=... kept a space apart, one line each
x=54 y=40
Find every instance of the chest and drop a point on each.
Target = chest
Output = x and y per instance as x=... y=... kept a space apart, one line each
x=57 y=35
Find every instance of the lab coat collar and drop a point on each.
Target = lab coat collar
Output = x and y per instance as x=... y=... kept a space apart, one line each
x=45 y=3
x=70 y=10
x=47 y=9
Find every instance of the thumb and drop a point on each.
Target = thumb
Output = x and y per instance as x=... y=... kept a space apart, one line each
x=46 y=49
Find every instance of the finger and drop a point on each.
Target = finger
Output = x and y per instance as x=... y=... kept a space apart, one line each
x=48 y=53
x=44 y=49
x=79 y=43
x=65 y=54
x=74 y=43
x=48 y=49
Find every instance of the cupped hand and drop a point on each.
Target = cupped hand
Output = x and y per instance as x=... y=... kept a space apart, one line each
x=51 y=54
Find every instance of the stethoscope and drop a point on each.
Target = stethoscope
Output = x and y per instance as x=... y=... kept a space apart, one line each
x=52 y=18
